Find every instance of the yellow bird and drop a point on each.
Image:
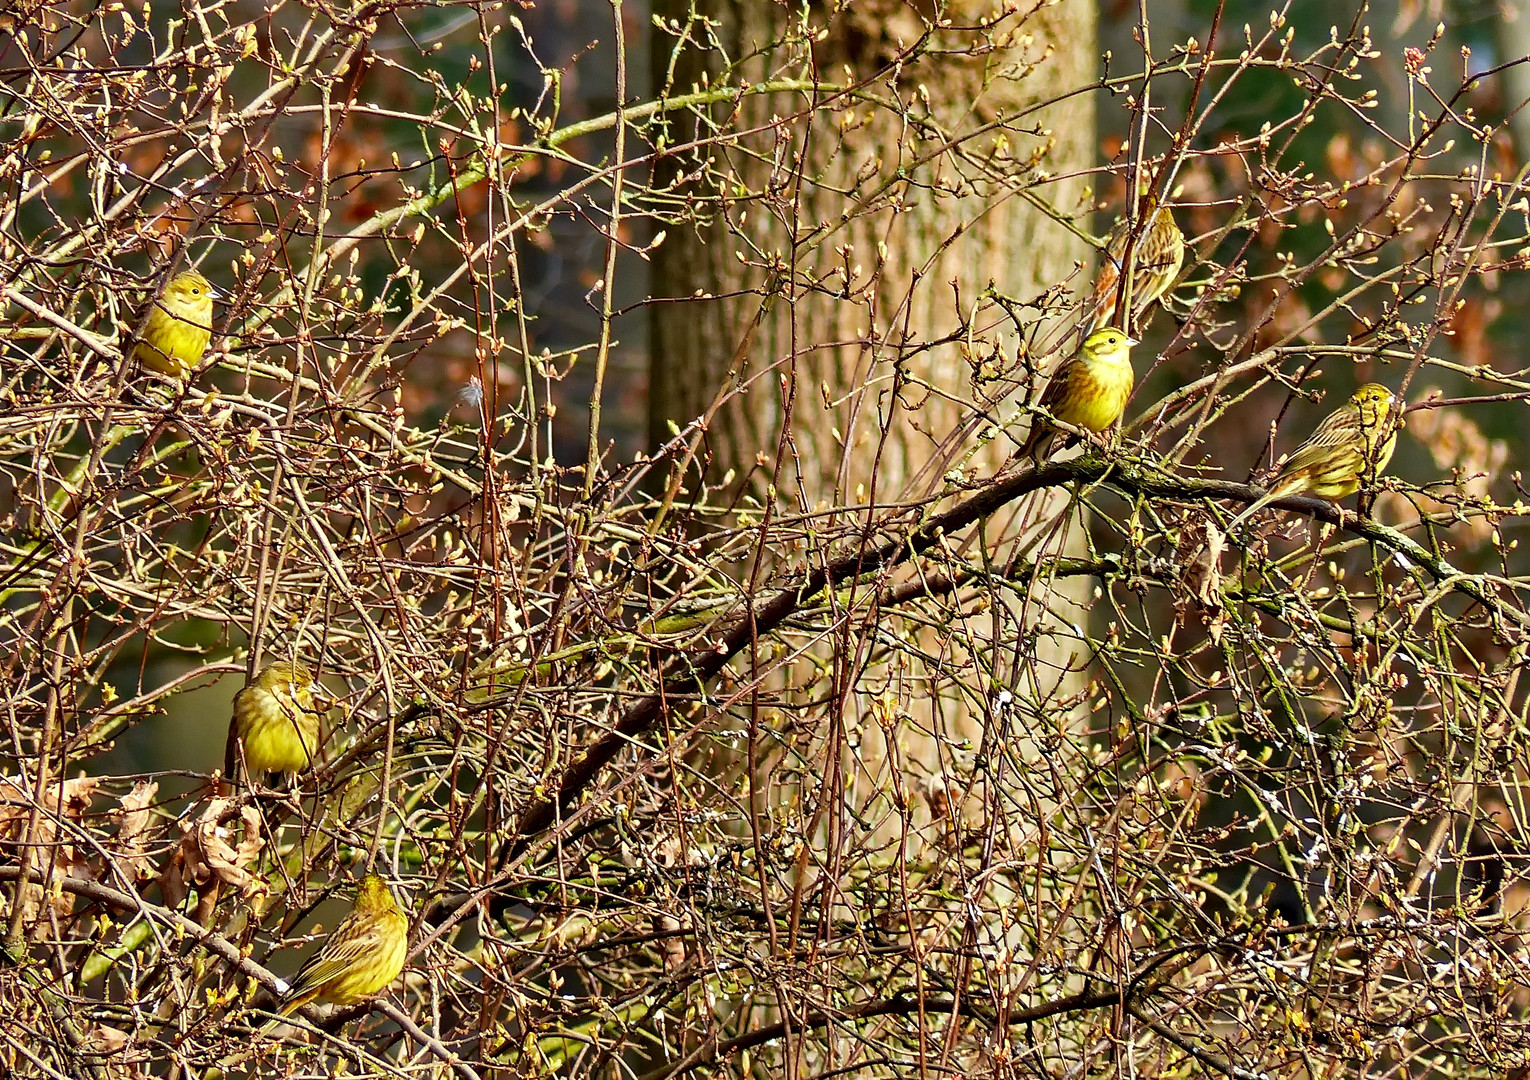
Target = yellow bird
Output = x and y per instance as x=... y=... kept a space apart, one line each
x=364 y=954
x=1352 y=444
x=1089 y=391
x=275 y=727
x=179 y=327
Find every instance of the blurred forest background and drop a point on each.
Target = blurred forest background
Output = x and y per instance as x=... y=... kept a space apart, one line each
x=613 y=403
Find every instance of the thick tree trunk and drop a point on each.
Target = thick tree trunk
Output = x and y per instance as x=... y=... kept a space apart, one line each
x=847 y=246
x=1513 y=30
x=845 y=268
x=864 y=239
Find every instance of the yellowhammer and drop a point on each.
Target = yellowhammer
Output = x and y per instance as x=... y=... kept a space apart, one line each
x=179 y=326
x=275 y=727
x=1089 y=390
x=363 y=955
x=1353 y=443
x=1156 y=258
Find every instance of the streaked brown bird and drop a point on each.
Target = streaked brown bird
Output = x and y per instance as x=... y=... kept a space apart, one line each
x=364 y=954
x=1157 y=257
x=1352 y=445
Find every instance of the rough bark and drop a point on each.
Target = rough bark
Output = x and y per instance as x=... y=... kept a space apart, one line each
x=868 y=242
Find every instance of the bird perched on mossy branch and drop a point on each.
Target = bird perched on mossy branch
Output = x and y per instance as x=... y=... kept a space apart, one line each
x=275 y=727
x=1089 y=391
x=179 y=326
x=1352 y=445
x=364 y=954
x=1156 y=258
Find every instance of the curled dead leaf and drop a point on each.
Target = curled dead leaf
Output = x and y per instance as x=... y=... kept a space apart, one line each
x=213 y=852
x=1202 y=544
x=60 y=810
x=117 y=1050
x=133 y=833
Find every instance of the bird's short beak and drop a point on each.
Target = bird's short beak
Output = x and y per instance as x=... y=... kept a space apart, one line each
x=214 y=294
x=1132 y=341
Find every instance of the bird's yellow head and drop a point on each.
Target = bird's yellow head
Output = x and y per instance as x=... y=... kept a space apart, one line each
x=373 y=896
x=1107 y=346
x=289 y=683
x=190 y=296
x=1374 y=404
x=285 y=673
x=1373 y=401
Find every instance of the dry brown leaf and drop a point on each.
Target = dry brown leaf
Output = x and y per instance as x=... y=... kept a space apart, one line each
x=123 y=1060
x=62 y=807
x=71 y=798
x=937 y=795
x=211 y=852
x=1203 y=563
x=133 y=836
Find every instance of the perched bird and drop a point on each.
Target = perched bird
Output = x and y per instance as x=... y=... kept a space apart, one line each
x=363 y=955
x=179 y=326
x=1353 y=443
x=1156 y=258
x=1088 y=391
x=275 y=727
